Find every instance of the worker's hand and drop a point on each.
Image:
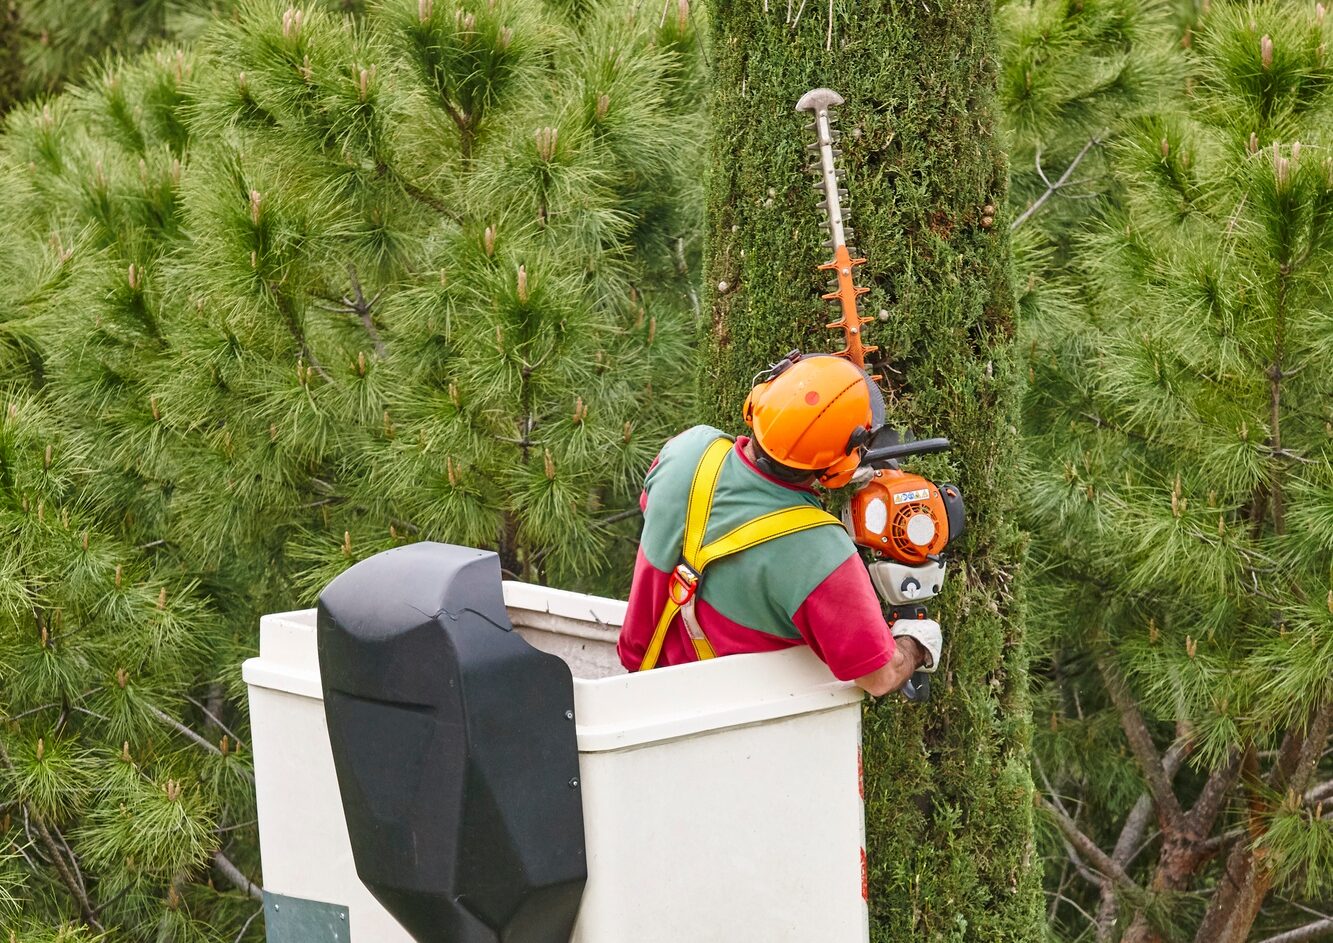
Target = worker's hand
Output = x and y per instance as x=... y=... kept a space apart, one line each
x=927 y=633
x=908 y=656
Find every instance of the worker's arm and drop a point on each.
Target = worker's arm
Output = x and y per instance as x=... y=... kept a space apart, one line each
x=908 y=656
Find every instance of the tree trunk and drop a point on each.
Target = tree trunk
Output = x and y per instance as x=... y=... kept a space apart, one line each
x=948 y=787
x=1241 y=892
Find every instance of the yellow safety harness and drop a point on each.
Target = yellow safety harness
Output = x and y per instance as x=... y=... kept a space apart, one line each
x=696 y=555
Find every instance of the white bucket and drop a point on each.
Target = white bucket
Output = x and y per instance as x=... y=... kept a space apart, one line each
x=721 y=800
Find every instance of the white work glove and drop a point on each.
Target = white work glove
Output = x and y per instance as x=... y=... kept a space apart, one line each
x=928 y=635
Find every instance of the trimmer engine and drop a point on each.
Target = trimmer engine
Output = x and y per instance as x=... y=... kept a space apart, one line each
x=905 y=523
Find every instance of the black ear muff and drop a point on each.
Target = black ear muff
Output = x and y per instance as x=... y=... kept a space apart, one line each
x=859 y=437
x=877 y=408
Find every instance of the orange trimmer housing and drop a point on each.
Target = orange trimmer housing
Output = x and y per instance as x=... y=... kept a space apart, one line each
x=904 y=517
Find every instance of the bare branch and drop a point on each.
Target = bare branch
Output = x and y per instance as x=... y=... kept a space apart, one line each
x=362 y=308
x=1088 y=849
x=183 y=730
x=214 y=717
x=1316 y=794
x=620 y=516
x=1141 y=743
x=1312 y=749
x=1130 y=841
x=1214 y=793
x=1211 y=846
x=189 y=734
x=1053 y=188
x=236 y=877
x=1311 y=931
x=246 y=926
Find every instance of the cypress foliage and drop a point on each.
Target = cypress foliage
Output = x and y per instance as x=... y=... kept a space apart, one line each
x=11 y=61
x=329 y=284
x=948 y=792
x=1180 y=427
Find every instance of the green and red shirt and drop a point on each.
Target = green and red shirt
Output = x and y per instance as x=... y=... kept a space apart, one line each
x=805 y=588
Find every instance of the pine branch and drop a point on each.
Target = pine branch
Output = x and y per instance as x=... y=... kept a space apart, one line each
x=426 y=198
x=236 y=877
x=289 y=318
x=192 y=736
x=1128 y=844
x=1311 y=931
x=1141 y=744
x=62 y=867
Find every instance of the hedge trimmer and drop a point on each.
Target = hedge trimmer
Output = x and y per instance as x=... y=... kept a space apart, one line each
x=901 y=522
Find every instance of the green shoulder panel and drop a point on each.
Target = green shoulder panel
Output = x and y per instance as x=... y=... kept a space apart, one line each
x=668 y=487
x=761 y=587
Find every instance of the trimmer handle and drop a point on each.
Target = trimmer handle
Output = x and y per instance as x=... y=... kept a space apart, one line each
x=917 y=688
x=878 y=455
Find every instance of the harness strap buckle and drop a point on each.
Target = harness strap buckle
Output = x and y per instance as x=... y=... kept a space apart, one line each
x=684 y=583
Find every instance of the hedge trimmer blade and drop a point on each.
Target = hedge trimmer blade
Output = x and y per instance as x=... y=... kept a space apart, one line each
x=844 y=290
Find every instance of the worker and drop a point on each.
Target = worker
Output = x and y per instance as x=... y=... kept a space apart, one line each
x=780 y=571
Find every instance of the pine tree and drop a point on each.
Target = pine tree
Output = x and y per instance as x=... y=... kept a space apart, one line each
x=331 y=284
x=1071 y=76
x=55 y=41
x=1181 y=491
x=109 y=804
x=46 y=44
x=948 y=793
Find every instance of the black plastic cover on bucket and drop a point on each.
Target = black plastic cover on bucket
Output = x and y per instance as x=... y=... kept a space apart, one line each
x=454 y=745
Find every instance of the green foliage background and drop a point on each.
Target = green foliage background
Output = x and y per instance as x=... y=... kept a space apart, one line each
x=1178 y=429
x=315 y=286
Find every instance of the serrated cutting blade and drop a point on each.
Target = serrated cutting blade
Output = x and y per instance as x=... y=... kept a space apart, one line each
x=844 y=292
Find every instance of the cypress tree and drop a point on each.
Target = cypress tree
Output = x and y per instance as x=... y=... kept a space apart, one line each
x=11 y=57
x=948 y=791
x=1180 y=493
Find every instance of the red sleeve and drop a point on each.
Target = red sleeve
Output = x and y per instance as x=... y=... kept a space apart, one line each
x=842 y=622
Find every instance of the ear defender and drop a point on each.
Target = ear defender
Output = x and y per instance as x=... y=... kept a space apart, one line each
x=840 y=472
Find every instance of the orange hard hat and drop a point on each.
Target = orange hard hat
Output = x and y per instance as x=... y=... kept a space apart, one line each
x=813 y=413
